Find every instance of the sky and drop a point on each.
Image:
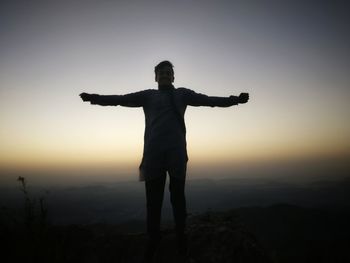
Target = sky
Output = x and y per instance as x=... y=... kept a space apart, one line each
x=292 y=57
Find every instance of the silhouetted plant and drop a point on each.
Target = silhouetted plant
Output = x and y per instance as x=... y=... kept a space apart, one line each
x=32 y=218
x=28 y=205
x=35 y=241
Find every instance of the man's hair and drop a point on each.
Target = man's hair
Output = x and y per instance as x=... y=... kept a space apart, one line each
x=163 y=64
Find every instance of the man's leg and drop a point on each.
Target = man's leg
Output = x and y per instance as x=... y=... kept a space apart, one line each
x=178 y=201
x=177 y=168
x=154 y=201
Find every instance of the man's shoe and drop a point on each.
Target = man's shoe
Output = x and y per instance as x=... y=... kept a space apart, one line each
x=182 y=244
x=151 y=250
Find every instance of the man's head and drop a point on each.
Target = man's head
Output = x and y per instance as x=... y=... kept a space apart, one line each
x=164 y=73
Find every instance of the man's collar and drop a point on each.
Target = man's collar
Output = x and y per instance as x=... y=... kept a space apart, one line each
x=166 y=87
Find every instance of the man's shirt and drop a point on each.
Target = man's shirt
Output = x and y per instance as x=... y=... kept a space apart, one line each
x=165 y=131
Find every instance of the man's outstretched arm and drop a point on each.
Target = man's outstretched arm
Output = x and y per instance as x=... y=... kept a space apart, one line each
x=136 y=99
x=197 y=99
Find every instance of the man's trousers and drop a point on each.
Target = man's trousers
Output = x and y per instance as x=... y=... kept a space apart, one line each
x=154 y=199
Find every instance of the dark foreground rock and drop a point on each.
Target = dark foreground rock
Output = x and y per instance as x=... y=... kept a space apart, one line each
x=279 y=234
x=213 y=237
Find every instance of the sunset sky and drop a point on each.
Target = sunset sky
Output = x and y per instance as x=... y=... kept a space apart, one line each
x=293 y=59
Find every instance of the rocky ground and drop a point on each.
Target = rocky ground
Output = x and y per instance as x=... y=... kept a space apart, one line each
x=280 y=233
x=213 y=237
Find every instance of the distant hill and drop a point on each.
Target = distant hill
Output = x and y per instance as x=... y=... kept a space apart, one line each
x=125 y=201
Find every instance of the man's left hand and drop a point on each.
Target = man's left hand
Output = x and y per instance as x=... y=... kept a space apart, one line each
x=243 y=98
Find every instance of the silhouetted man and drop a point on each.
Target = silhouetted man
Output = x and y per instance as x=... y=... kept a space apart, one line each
x=164 y=145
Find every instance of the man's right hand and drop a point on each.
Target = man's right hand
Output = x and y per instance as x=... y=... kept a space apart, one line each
x=87 y=97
